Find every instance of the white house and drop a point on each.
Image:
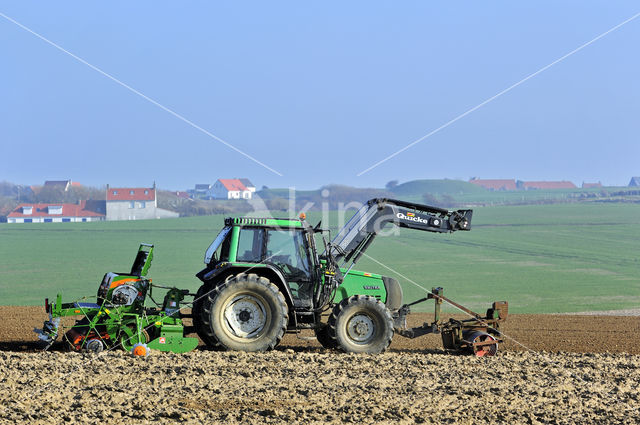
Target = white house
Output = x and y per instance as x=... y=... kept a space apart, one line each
x=232 y=189
x=58 y=213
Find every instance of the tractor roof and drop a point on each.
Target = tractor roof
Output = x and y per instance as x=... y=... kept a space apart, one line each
x=264 y=222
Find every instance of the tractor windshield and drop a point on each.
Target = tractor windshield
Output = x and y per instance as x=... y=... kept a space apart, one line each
x=216 y=244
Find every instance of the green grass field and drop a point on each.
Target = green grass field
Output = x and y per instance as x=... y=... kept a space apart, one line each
x=541 y=258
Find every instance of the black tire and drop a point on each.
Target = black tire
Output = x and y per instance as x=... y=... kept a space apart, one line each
x=322 y=335
x=199 y=316
x=361 y=324
x=246 y=313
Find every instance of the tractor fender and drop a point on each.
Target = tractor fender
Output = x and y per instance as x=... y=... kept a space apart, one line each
x=394 y=293
x=265 y=270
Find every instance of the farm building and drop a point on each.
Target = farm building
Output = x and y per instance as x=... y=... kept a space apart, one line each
x=232 y=189
x=635 y=182
x=58 y=213
x=202 y=191
x=495 y=184
x=134 y=203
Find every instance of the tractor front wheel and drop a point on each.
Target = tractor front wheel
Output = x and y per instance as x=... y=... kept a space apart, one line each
x=246 y=312
x=361 y=324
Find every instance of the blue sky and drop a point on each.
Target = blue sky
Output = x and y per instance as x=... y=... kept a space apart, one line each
x=318 y=91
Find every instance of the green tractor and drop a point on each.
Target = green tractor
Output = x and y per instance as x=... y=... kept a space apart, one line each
x=265 y=276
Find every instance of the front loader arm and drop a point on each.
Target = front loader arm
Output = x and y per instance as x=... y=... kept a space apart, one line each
x=356 y=236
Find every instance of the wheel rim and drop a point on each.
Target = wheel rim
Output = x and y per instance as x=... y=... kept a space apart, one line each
x=129 y=337
x=484 y=350
x=245 y=316
x=360 y=328
x=94 y=346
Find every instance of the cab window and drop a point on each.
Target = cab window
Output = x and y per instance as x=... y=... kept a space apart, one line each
x=250 y=243
x=219 y=248
x=288 y=250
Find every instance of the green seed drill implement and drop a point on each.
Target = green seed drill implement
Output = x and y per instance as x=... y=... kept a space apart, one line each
x=120 y=318
x=264 y=277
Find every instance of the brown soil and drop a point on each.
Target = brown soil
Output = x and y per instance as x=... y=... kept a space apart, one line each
x=541 y=332
x=567 y=377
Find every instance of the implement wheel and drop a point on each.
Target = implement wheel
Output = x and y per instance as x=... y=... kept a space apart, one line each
x=488 y=350
x=361 y=324
x=246 y=312
x=129 y=336
x=322 y=335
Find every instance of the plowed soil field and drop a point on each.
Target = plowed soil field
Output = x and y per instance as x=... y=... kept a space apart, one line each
x=562 y=369
x=544 y=332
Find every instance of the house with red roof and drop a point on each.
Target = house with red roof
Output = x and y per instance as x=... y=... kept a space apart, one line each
x=232 y=189
x=83 y=211
x=134 y=203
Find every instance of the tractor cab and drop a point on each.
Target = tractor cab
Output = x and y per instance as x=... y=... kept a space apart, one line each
x=285 y=247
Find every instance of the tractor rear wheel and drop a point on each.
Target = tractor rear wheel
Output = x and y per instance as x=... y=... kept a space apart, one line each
x=246 y=312
x=361 y=324
x=200 y=317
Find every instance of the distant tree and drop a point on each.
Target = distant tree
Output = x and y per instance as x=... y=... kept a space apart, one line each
x=49 y=194
x=390 y=185
x=6 y=206
x=25 y=194
x=265 y=188
x=9 y=190
x=81 y=193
